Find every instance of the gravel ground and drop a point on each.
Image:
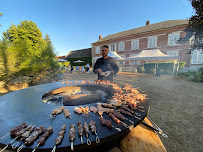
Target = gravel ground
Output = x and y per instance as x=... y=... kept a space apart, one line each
x=176 y=107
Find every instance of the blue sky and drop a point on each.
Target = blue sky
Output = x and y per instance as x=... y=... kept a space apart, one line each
x=75 y=24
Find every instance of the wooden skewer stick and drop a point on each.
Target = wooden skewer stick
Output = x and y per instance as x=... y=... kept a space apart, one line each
x=54 y=149
x=5 y=136
x=72 y=148
x=125 y=125
x=118 y=129
x=129 y=121
x=8 y=144
x=97 y=138
x=52 y=116
x=88 y=141
x=36 y=147
x=20 y=148
x=81 y=139
x=16 y=144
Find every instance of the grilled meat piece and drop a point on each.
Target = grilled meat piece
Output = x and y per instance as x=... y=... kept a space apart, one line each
x=77 y=110
x=66 y=113
x=119 y=115
x=106 y=122
x=72 y=132
x=114 y=118
x=125 y=112
x=93 y=109
x=17 y=128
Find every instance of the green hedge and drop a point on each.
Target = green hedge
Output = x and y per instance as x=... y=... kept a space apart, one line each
x=164 y=67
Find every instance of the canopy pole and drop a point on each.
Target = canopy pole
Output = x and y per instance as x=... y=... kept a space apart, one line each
x=173 y=67
x=177 y=68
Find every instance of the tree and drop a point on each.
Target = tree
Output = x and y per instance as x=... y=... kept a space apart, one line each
x=23 y=51
x=195 y=27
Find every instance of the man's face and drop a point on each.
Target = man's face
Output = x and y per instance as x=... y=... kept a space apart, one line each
x=105 y=51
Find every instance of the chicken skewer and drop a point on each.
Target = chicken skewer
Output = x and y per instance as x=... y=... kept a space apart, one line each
x=24 y=136
x=59 y=139
x=77 y=110
x=56 y=111
x=67 y=113
x=72 y=135
x=43 y=138
x=32 y=137
x=93 y=128
x=86 y=130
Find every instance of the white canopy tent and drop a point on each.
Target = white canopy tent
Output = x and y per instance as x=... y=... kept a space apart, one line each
x=154 y=55
x=111 y=54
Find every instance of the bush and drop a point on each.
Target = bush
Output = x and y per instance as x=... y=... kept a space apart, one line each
x=193 y=76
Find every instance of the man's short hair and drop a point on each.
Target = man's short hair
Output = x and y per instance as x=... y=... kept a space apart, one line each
x=105 y=46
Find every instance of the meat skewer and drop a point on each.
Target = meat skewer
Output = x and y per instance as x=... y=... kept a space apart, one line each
x=119 y=115
x=111 y=115
x=108 y=124
x=93 y=128
x=19 y=133
x=93 y=109
x=86 y=130
x=32 y=137
x=80 y=130
x=59 y=139
x=72 y=135
x=43 y=138
x=15 y=129
x=127 y=109
x=125 y=112
x=77 y=110
x=56 y=111
x=67 y=113
x=24 y=136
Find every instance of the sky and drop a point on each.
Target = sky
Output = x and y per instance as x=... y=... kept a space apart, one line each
x=75 y=24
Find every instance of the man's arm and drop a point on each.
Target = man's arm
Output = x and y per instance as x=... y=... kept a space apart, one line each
x=97 y=67
x=114 y=67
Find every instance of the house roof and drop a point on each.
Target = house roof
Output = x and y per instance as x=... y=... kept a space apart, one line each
x=79 y=53
x=143 y=29
x=60 y=57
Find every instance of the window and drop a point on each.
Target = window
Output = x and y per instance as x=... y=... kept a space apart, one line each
x=97 y=50
x=112 y=47
x=152 y=42
x=135 y=45
x=200 y=40
x=192 y=40
x=197 y=57
x=173 y=39
x=173 y=53
x=121 y=46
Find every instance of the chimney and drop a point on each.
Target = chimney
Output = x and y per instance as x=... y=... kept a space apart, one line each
x=100 y=37
x=148 y=22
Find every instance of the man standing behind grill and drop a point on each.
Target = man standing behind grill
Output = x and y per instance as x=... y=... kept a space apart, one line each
x=105 y=66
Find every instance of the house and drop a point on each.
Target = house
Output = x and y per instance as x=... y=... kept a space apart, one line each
x=83 y=55
x=162 y=36
x=60 y=57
